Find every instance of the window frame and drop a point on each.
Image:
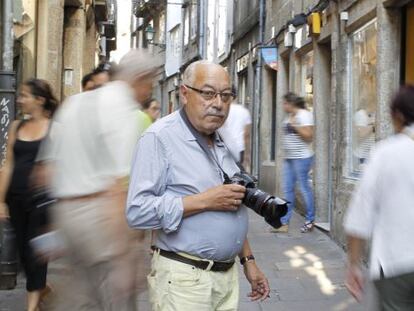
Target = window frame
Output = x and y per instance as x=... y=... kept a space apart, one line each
x=349 y=171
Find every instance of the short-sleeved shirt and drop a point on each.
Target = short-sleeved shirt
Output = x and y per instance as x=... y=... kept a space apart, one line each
x=293 y=145
x=382 y=209
x=97 y=134
x=233 y=129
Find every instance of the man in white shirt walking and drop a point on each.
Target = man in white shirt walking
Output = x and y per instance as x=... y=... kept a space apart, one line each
x=97 y=134
x=382 y=211
x=236 y=132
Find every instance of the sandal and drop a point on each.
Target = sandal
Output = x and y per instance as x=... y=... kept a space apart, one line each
x=307 y=227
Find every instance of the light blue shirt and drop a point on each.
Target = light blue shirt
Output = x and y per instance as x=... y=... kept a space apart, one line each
x=169 y=165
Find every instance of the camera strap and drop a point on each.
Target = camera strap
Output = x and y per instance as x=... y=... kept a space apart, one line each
x=202 y=142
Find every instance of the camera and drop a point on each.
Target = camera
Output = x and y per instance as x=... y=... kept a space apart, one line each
x=271 y=208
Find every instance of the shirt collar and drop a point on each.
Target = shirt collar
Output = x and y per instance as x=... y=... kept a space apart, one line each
x=190 y=137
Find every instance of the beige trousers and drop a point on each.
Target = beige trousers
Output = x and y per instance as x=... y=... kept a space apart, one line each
x=102 y=251
x=176 y=286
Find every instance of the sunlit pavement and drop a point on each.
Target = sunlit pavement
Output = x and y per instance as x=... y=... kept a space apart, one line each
x=306 y=273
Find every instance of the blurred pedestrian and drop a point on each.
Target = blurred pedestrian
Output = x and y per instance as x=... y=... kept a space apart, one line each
x=236 y=132
x=102 y=74
x=87 y=82
x=177 y=189
x=382 y=212
x=152 y=108
x=98 y=131
x=38 y=104
x=298 y=159
x=148 y=114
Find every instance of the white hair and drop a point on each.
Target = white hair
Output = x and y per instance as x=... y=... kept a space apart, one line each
x=189 y=72
x=135 y=63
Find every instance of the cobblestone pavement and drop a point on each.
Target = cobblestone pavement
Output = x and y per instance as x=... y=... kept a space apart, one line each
x=306 y=273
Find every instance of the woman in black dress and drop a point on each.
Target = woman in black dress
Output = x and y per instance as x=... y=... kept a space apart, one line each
x=36 y=101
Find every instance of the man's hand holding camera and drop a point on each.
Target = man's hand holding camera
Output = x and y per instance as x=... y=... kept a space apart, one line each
x=226 y=198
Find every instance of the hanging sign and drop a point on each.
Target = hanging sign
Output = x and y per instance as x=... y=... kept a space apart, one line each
x=269 y=54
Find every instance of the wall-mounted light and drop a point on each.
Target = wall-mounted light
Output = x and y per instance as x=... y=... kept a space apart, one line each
x=344 y=16
x=150 y=34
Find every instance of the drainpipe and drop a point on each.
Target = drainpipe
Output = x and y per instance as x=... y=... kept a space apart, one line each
x=258 y=94
x=8 y=253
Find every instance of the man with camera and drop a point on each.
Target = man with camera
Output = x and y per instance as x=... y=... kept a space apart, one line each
x=176 y=188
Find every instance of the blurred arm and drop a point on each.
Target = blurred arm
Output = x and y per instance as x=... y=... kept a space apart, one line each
x=305 y=132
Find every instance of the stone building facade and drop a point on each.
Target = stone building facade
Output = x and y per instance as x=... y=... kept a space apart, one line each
x=348 y=73
x=62 y=40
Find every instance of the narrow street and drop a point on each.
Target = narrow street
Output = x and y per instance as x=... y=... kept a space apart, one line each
x=306 y=272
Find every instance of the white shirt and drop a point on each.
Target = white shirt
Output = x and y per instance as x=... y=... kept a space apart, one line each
x=97 y=134
x=382 y=208
x=233 y=129
x=294 y=146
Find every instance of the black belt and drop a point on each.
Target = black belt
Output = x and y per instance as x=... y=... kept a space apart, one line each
x=217 y=266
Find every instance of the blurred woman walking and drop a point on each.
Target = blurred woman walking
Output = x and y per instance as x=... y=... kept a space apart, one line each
x=38 y=103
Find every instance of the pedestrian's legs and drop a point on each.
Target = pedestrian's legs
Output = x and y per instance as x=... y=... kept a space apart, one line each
x=289 y=181
x=26 y=226
x=302 y=168
x=105 y=270
x=36 y=269
x=178 y=286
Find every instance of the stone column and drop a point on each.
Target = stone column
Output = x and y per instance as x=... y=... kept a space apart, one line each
x=388 y=65
x=90 y=42
x=322 y=105
x=282 y=89
x=49 y=42
x=73 y=51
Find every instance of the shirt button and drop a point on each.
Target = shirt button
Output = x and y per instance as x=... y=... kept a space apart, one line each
x=238 y=242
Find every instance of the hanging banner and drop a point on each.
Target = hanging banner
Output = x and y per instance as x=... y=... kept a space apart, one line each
x=269 y=54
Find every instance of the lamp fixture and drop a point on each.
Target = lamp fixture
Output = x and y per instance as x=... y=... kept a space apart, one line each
x=150 y=34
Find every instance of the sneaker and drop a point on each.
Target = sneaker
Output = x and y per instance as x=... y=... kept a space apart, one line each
x=307 y=227
x=282 y=229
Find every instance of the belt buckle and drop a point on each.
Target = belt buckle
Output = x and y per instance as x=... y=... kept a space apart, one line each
x=210 y=265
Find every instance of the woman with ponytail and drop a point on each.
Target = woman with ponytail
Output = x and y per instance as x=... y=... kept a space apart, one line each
x=38 y=104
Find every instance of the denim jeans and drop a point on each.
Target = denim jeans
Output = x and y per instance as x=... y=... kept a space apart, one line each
x=297 y=171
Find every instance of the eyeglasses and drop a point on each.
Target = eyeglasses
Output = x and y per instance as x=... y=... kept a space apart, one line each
x=225 y=96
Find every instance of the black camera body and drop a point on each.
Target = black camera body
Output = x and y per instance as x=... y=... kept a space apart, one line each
x=271 y=208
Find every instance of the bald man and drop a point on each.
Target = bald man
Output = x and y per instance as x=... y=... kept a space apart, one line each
x=201 y=224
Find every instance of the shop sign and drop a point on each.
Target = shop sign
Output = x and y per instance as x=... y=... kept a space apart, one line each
x=242 y=62
x=269 y=54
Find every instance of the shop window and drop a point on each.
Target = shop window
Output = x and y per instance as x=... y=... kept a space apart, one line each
x=161 y=28
x=362 y=96
x=186 y=26
x=304 y=85
x=194 y=21
x=242 y=92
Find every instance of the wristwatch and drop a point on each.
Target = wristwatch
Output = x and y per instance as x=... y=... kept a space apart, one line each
x=245 y=259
